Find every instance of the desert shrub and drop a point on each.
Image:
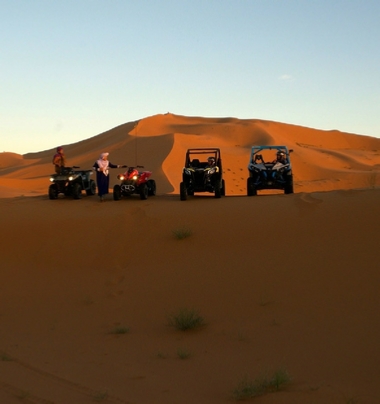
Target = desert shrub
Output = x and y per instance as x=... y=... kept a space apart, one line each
x=182 y=233
x=186 y=319
x=100 y=396
x=120 y=330
x=183 y=353
x=5 y=357
x=262 y=385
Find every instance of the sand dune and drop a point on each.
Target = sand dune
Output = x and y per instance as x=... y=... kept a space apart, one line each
x=323 y=160
x=282 y=281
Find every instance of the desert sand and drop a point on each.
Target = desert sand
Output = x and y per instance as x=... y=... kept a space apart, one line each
x=282 y=282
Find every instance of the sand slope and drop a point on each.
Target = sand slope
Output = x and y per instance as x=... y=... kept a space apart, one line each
x=282 y=281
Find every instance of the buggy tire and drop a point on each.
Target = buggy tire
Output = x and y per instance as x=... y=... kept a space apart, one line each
x=144 y=192
x=92 y=188
x=218 y=188
x=151 y=187
x=53 y=191
x=182 y=191
x=289 y=186
x=116 y=192
x=223 y=190
x=251 y=188
x=77 y=191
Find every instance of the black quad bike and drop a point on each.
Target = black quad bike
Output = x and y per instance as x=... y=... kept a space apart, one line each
x=71 y=182
x=199 y=176
x=267 y=172
x=134 y=181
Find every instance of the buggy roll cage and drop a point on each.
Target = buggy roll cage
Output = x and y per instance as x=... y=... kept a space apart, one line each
x=257 y=149
x=209 y=151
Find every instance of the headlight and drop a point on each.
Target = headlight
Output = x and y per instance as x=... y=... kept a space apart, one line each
x=135 y=177
x=51 y=179
x=72 y=177
x=120 y=177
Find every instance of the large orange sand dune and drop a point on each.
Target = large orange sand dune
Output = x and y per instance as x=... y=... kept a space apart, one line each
x=323 y=160
x=282 y=281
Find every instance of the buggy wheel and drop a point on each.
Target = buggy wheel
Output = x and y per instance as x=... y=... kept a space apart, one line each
x=116 y=192
x=182 y=191
x=152 y=187
x=289 y=186
x=53 y=191
x=251 y=189
x=144 y=192
x=92 y=188
x=77 y=191
x=223 y=191
x=218 y=188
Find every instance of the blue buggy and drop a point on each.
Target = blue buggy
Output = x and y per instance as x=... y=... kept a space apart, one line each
x=269 y=168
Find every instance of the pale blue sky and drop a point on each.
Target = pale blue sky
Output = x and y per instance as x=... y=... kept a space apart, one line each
x=71 y=69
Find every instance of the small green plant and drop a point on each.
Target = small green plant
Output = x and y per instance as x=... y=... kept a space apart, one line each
x=120 y=330
x=23 y=395
x=5 y=357
x=352 y=401
x=101 y=396
x=182 y=233
x=186 y=319
x=183 y=353
x=262 y=385
x=280 y=378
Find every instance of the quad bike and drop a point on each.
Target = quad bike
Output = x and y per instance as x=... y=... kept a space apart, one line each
x=71 y=182
x=198 y=176
x=269 y=175
x=134 y=181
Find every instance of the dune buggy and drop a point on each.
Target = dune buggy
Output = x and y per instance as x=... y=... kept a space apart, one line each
x=267 y=172
x=134 y=181
x=199 y=176
x=71 y=182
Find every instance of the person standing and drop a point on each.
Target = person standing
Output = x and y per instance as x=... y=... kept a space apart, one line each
x=102 y=166
x=59 y=160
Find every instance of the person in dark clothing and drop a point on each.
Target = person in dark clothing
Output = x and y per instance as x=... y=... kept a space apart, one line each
x=59 y=160
x=102 y=166
x=280 y=158
x=210 y=162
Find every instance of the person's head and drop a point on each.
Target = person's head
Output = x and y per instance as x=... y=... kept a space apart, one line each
x=104 y=156
x=281 y=156
x=60 y=150
x=211 y=161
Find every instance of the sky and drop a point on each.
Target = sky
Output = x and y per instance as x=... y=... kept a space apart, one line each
x=72 y=69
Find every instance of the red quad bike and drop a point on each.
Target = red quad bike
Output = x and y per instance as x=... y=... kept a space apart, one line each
x=134 y=181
